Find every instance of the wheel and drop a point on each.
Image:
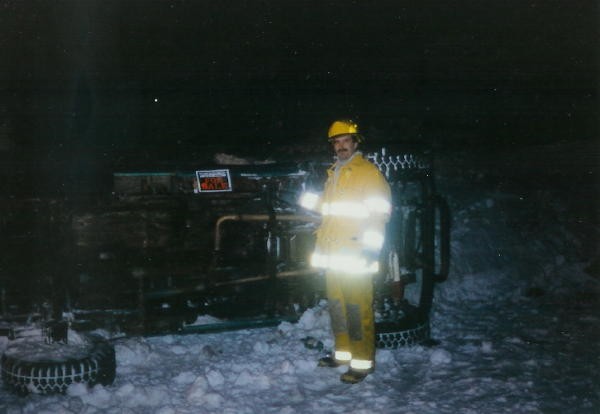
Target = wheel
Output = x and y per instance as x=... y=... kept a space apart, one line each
x=393 y=335
x=406 y=288
x=30 y=365
x=407 y=271
x=418 y=255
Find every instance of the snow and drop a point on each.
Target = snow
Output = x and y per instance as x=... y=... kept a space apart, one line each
x=517 y=323
x=24 y=349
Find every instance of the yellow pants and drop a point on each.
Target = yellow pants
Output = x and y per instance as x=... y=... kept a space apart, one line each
x=350 y=300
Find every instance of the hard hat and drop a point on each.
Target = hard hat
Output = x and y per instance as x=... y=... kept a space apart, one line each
x=344 y=127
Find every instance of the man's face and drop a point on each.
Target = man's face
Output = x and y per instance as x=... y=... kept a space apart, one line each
x=344 y=146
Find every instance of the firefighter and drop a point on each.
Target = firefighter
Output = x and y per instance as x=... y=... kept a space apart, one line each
x=355 y=205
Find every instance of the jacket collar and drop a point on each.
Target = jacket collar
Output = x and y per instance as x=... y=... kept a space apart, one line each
x=353 y=159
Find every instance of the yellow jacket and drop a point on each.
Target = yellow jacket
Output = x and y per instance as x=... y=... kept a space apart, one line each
x=355 y=206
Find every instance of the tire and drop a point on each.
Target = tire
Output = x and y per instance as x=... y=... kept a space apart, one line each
x=394 y=335
x=37 y=367
x=406 y=322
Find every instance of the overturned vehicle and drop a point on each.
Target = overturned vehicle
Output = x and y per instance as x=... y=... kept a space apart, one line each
x=230 y=241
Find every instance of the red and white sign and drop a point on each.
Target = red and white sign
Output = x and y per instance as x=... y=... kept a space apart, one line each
x=213 y=181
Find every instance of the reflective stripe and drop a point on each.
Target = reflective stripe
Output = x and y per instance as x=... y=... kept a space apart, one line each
x=356 y=209
x=345 y=209
x=344 y=262
x=343 y=356
x=361 y=364
x=309 y=200
x=372 y=240
x=378 y=205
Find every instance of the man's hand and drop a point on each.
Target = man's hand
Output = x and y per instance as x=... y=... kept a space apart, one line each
x=309 y=200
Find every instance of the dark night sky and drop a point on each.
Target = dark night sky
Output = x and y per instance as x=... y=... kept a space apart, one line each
x=86 y=77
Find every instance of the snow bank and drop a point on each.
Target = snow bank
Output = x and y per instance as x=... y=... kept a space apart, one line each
x=506 y=246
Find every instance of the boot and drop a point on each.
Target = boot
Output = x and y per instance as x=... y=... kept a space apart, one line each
x=353 y=376
x=330 y=362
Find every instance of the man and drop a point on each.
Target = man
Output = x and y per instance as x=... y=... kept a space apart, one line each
x=355 y=205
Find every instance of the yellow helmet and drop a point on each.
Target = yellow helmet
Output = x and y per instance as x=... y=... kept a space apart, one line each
x=344 y=127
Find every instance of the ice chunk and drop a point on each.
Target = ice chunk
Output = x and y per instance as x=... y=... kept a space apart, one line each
x=285 y=327
x=148 y=396
x=261 y=348
x=99 y=397
x=126 y=390
x=213 y=400
x=315 y=318
x=244 y=379
x=197 y=390
x=287 y=367
x=132 y=353
x=77 y=389
x=303 y=365
x=179 y=350
x=184 y=378
x=440 y=356
x=215 y=378
x=205 y=320
x=257 y=381
x=384 y=356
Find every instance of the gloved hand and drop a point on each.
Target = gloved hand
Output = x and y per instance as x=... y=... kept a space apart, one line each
x=308 y=200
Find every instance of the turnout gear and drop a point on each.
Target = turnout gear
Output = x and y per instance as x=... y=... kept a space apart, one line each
x=344 y=127
x=352 y=320
x=355 y=206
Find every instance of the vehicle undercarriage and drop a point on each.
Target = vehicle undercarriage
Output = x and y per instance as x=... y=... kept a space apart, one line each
x=167 y=246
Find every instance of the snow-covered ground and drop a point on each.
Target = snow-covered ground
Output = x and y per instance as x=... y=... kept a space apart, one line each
x=517 y=321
